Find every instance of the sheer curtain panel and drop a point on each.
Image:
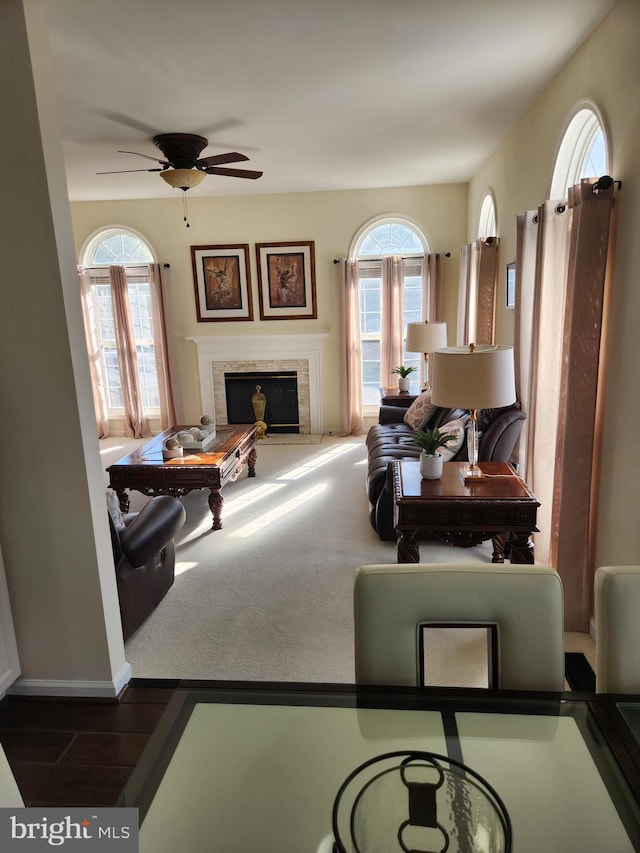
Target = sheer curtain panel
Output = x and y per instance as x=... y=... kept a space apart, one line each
x=352 y=349
x=578 y=450
x=130 y=352
x=93 y=351
x=135 y=420
x=165 y=359
x=560 y=293
x=391 y=318
x=477 y=292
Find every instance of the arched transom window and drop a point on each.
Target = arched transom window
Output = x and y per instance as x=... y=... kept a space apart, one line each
x=487 y=220
x=117 y=246
x=583 y=152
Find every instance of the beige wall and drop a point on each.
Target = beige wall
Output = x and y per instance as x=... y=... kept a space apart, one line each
x=605 y=70
x=331 y=219
x=53 y=525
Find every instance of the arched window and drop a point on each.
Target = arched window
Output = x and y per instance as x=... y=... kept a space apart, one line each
x=487 y=221
x=116 y=246
x=125 y=247
x=375 y=241
x=583 y=152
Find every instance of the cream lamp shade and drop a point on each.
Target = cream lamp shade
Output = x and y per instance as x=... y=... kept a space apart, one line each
x=183 y=179
x=426 y=337
x=473 y=377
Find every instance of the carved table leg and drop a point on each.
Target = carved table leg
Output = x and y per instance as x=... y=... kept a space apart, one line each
x=123 y=497
x=408 y=550
x=215 y=505
x=499 y=541
x=251 y=462
x=521 y=549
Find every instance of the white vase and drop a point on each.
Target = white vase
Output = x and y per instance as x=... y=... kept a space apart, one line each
x=404 y=383
x=430 y=466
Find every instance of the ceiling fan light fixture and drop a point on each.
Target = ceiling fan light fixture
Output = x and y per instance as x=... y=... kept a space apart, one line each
x=183 y=179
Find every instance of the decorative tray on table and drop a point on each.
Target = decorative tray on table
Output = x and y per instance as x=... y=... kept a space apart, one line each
x=192 y=439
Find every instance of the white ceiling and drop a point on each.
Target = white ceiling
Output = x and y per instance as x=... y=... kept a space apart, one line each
x=326 y=95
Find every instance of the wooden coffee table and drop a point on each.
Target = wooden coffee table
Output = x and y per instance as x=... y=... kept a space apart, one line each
x=494 y=508
x=146 y=471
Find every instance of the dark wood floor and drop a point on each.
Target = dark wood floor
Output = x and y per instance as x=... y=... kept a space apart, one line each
x=70 y=752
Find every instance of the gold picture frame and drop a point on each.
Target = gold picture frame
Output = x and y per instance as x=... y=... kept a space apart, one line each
x=287 y=280
x=222 y=282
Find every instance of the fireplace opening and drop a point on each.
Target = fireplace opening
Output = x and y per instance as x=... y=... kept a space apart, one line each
x=280 y=389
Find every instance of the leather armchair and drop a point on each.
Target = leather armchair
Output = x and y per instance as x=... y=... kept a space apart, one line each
x=144 y=557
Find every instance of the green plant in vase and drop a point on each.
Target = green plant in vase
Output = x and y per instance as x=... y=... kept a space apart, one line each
x=430 y=440
x=404 y=373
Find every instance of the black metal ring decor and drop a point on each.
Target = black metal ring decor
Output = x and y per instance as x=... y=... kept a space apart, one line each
x=419 y=802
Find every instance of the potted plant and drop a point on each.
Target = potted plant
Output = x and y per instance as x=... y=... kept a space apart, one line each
x=430 y=440
x=403 y=372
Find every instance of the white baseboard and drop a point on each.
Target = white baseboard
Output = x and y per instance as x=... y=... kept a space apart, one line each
x=85 y=689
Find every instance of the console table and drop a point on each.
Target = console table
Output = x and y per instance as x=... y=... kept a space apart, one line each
x=496 y=507
x=395 y=397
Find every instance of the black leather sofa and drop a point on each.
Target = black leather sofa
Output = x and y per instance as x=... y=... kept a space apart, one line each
x=390 y=439
x=144 y=557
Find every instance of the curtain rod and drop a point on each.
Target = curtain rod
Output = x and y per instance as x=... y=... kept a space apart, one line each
x=134 y=266
x=404 y=257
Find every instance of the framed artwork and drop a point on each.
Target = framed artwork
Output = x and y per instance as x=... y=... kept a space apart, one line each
x=287 y=280
x=511 y=285
x=222 y=282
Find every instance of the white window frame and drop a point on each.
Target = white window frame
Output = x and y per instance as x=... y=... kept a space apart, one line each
x=583 y=126
x=487 y=222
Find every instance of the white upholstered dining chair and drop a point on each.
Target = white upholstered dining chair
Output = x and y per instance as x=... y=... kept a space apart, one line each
x=617 y=616
x=392 y=603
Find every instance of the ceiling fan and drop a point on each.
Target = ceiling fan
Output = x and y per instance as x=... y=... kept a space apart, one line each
x=182 y=156
x=183 y=167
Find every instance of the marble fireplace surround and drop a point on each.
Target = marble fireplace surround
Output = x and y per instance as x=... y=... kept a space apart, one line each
x=231 y=354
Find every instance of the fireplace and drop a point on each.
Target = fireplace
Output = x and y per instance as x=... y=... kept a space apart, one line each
x=301 y=354
x=278 y=393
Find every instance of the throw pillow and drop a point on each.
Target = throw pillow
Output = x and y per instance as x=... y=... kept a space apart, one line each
x=113 y=505
x=419 y=410
x=457 y=428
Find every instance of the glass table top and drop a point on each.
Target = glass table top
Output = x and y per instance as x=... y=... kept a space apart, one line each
x=259 y=768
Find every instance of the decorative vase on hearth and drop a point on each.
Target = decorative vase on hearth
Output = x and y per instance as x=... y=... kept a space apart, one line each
x=430 y=465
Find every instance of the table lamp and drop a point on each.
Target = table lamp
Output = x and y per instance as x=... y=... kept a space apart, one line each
x=473 y=377
x=426 y=338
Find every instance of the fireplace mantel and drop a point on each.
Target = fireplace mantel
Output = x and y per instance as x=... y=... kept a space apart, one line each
x=255 y=349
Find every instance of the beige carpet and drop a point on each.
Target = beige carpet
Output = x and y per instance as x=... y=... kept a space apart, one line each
x=269 y=597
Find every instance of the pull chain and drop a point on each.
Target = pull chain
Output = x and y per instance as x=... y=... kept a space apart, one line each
x=184 y=208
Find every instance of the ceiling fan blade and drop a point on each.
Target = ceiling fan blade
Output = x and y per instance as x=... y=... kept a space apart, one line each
x=126 y=171
x=129 y=121
x=233 y=173
x=138 y=154
x=218 y=159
